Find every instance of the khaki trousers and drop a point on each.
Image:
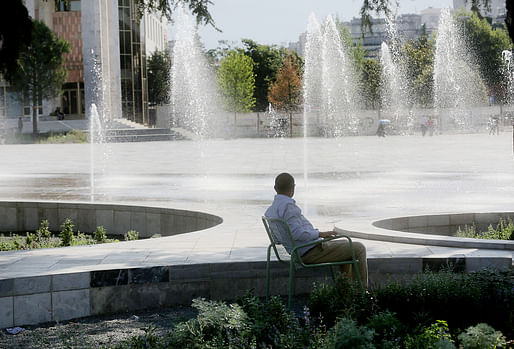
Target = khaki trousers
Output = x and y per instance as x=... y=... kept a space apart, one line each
x=338 y=251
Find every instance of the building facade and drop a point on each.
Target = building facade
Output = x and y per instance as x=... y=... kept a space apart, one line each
x=107 y=62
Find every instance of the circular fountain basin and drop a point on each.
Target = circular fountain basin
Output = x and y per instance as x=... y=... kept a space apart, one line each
x=437 y=230
x=17 y=216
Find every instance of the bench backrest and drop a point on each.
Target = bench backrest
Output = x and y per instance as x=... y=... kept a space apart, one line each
x=279 y=233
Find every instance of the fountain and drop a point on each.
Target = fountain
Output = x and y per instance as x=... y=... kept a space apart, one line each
x=339 y=97
x=508 y=72
x=194 y=94
x=394 y=92
x=457 y=83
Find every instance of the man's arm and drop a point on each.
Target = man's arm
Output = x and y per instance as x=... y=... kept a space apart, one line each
x=327 y=234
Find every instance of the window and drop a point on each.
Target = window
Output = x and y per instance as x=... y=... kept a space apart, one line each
x=71 y=5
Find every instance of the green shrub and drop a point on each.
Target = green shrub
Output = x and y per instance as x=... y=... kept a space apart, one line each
x=273 y=325
x=435 y=336
x=341 y=298
x=482 y=336
x=504 y=231
x=389 y=331
x=66 y=234
x=217 y=325
x=461 y=299
x=347 y=334
x=43 y=233
x=131 y=235
x=100 y=235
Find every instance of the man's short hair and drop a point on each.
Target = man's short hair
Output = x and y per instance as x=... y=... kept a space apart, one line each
x=283 y=183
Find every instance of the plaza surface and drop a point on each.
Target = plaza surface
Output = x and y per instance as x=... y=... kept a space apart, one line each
x=338 y=180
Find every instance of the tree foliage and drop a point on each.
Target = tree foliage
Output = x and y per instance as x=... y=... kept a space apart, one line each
x=41 y=73
x=370 y=78
x=199 y=9
x=267 y=62
x=237 y=81
x=159 y=80
x=286 y=92
x=419 y=56
x=487 y=44
x=15 y=35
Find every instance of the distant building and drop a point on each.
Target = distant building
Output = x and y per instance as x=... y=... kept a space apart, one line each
x=497 y=7
x=409 y=26
x=109 y=45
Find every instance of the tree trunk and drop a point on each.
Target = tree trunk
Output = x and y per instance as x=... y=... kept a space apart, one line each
x=35 y=130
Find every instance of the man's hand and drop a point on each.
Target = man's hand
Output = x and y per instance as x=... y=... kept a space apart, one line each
x=327 y=234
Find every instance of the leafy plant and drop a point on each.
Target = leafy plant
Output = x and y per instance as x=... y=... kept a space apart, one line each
x=389 y=331
x=216 y=323
x=482 y=336
x=66 y=234
x=504 y=231
x=43 y=232
x=131 y=235
x=460 y=299
x=347 y=334
x=100 y=235
x=341 y=298
x=435 y=336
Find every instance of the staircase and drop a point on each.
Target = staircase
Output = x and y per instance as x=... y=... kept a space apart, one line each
x=141 y=135
x=123 y=130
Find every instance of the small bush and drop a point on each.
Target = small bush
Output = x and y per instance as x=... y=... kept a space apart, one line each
x=217 y=323
x=504 y=231
x=347 y=334
x=66 y=234
x=341 y=298
x=389 y=331
x=131 y=235
x=482 y=336
x=43 y=233
x=461 y=299
x=100 y=235
x=435 y=336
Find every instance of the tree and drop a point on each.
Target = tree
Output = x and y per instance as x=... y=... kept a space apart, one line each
x=370 y=78
x=267 y=61
x=159 y=80
x=15 y=35
x=199 y=8
x=41 y=73
x=237 y=82
x=419 y=56
x=487 y=44
x=286 y=92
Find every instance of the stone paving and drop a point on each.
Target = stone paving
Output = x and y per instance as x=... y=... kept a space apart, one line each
x=338 y=180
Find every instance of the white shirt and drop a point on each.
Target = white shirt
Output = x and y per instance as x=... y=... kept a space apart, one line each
x=302 y=230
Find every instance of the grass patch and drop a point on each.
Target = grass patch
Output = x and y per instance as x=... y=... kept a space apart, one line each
x=44 y=238
x=504 y=231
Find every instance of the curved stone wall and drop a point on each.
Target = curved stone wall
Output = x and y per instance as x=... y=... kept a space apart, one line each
x=443 y=224
x=20 y=217
x=435 y=230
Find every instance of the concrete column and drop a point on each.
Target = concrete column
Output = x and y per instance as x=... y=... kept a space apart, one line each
x=101 y=53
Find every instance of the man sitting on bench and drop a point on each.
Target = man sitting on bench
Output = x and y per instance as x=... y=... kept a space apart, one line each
x=285 y=207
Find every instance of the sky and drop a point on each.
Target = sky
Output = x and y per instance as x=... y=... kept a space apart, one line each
x=282 y=21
